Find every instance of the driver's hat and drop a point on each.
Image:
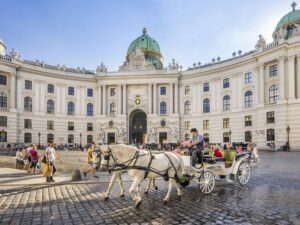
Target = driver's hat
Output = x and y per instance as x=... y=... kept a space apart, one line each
x=194 y=130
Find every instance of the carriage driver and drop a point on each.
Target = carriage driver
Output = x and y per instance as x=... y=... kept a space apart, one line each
x=197 y=146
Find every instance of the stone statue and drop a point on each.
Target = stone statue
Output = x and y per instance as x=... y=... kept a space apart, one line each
x=136 y=61
x=261 y=42
x=102 y=136
x=102 y=68
x=173 y=65
x=152 y=135
x=296 y=30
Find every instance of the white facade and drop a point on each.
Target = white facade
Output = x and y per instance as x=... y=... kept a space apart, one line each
x=270 y=75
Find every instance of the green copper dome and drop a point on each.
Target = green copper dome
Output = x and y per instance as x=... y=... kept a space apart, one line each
x=290 y=18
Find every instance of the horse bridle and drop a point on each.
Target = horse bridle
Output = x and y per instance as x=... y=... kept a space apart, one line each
x=107 y=156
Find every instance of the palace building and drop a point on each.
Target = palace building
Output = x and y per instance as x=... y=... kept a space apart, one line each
x=251 y=97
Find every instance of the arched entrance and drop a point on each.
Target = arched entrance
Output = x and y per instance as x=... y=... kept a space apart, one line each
x=137 y=126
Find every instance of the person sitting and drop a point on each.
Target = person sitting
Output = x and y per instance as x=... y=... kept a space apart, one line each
x=197 y=146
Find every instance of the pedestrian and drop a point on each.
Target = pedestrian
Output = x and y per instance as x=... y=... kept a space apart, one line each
x=19 y=159
x=90 y=150
x=51 y=156
x=255 y=153
x=34 y=158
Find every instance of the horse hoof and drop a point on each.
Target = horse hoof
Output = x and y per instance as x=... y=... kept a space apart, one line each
x=106 y=198
x=137 y=205
x=156 y=188
x=165 y=202
x=146 y=192
x=122 y=196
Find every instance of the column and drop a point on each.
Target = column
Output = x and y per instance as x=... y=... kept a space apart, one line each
x=12 y=91
x=97 y=96
x=124 y=98
x=82 y=103
x=194 y=94
x=58 y=94
x=154 y=98
x=171 y=99
x=104 y=100
x=42 y=96
x=150 y=98
x=176 y=97
x=199 y=97
x=261 y=84
x=257 y=87
x=291 y=86
x=240 y=95
x=218 y=102
x=63 y=104
x=78 y=101
x=119 y=107
x=213 y=100
x=19 y=92
x=281 y=78
x=37 y=96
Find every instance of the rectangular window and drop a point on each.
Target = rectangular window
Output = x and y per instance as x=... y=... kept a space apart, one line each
x=270 y=135
x=50 y=88
x=112 y=92
x=226 y=137
x=90 y=92
x=3 y=121
x=187 y=89
x=163 y=91
x=27 y=137
x=205 y=124
x=206 y=87
x=89 y=126
x=187 y=125
x=248 y=78
x=27 y=123
x=226 y=83
x=28 y=84
x=71 y=91
x=50 y=125
x=271 y=117
x=248 y=136
x=248 y=121
x=70 y=125
x=225 y=122
x=3 y=80
x=273 y=71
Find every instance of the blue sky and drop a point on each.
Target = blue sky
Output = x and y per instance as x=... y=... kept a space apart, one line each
x=86 y=32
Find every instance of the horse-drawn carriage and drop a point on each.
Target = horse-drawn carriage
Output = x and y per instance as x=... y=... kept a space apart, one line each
x=211 y=168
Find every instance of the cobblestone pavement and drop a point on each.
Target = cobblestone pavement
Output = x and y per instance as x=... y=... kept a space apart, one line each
x=271 y=197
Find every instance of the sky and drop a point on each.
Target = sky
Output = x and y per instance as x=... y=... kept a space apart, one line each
x=85 y=33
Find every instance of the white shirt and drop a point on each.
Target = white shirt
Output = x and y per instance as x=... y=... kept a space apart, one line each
x=51 y=152
x=19 y=155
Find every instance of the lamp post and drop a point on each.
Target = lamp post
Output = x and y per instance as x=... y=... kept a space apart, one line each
x=39 y=134
x=2 y=137
x=288 y=129
x=230 y=135
x=80 y=135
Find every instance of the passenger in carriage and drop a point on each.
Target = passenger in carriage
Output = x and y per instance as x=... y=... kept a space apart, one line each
x=197 y=146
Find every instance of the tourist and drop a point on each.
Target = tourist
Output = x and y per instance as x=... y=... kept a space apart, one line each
x=51 y=156
x=19 y=159
x=34 y=158
x=90 y=150
x=255 y=153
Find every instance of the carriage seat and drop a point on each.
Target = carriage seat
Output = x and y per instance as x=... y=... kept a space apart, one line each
x=228 y=155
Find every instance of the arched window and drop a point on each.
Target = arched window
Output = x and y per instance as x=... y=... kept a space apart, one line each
x=50 y=107
x=112 y=109
x=50 y=137
x=163 y=108
x=226 y=103
x=248 y=99
x=28 y=104
x=273 y=94
x=70 y=138
x=206 y=105
x=27 y=138
x=89 y=139
x=71 y=108
x=187 y=107
x=3 y=100
x=89 y=109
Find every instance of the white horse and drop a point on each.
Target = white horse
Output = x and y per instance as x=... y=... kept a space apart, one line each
x=137 y=161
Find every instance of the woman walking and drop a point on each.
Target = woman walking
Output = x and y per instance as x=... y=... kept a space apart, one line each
x=51 y=156
x=34 y=158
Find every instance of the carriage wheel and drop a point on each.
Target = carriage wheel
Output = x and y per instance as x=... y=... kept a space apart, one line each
x=206 y=182
x=243 y=173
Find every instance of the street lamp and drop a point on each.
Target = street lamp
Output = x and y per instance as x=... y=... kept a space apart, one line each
x=39 y=134
x=229 y=135
x=2 y=137
x=288 y=129
x=80 y=140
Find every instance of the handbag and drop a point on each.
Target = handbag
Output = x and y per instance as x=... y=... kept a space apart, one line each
x=46 y=170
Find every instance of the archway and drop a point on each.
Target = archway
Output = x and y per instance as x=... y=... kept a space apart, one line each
x=137 y=126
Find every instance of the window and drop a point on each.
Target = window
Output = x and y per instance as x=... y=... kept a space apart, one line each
x=3 y=136
x=248 y=121
x=226 y=137
x=27 y=138
x=187 y=89
x=50 y=125
x=112 y=92
x=205 y=124
x=273 y=71
x=89 y=127
x=248 y=99
x=28 y=84
x=271 y=117
x=50 y=88
x=27 y=104
x=248 y=136
x=71 y=91
x=226 y=103
x=206 y=87
x=226 y=83
x=270 y=135
x=187 y=125
x=89 y=139
x=206 y=137
x=187 y=107
x=90 y=92
x=71 y=108
x=163 y=108
x=225 y=122
x=273 y=94
x=112 y=109
x=163 y=91
x=50 y=107
x=70 y=138
x=70 y=125
x=3 y=121
x=3 y=100
x=27 y=123
x=3 y=80
x=248 y=78
x=50 y=137
x=89 y=109
x=206 y=105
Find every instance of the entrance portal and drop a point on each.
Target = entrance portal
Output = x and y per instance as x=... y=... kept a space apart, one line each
x=111 y=138
x=163 y=136
x=137 y=127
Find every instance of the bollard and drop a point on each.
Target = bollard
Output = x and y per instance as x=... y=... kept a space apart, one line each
x=76 y=175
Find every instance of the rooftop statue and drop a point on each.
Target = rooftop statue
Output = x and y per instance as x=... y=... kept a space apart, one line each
x=261 y=42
